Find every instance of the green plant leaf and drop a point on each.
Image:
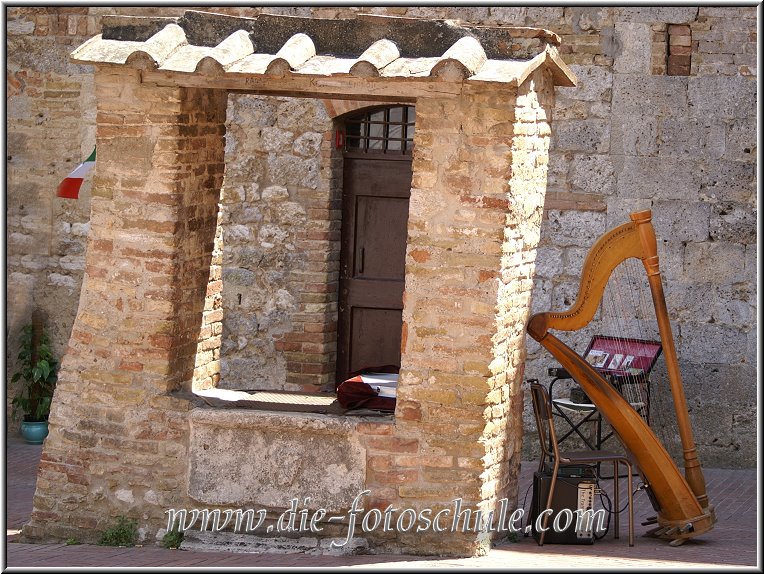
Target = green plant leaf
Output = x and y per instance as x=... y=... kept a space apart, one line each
x=124 y=533
x=35 y=395
x=172 y=539
x=44 y=368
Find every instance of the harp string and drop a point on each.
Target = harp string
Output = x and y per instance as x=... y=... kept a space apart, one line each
x=627 y=314
x=637 y=300
x=663 y=420
x=619 y=323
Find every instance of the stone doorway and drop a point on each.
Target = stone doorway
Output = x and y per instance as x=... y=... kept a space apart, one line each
x=375 y=206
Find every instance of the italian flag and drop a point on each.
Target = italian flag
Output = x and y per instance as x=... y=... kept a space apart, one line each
x=70 y=187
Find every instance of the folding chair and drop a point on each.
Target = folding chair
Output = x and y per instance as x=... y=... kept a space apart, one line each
x=550 y=453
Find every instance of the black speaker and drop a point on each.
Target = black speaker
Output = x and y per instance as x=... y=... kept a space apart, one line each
x=574 y=490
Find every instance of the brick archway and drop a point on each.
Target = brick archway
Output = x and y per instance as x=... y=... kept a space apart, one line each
x=338 y=108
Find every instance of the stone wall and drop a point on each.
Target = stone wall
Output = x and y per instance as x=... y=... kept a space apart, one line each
x=629 y=136
x=281 y=240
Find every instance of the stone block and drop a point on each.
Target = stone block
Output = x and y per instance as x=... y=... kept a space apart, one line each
x=671 y=254
x=590 y=136
x=294 y=170
x=573 y=228
x=692 y=139
x=592 y=174
x=65 y=281
x=634 y=138
x=308 y=144
x=295 y=114
x=733 y=222
x=20 y=27
x=750 y=262
x=548 y=262
x=649 y=15
x=703 y=342
x=635 y=96
x=722 y=97
x=634 y=41
x=541 y=300
x=727 y=181
x=741 y=141
x=593 y=84
x=681 y=220
x=718 y=262
x=648 y=177
x=279 y=456
x=273 y=139
x=508 y=15
x=584 y=19
x=246 y=109
x=712 y=301
x=546 y=14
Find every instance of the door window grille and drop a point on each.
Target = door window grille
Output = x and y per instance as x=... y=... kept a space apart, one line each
x=386 y=130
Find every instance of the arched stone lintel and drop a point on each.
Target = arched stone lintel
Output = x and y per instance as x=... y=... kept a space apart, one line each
x=339 y=108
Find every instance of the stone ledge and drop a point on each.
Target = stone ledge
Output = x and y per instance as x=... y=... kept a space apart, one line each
x=251 y=418
x=256 y=459
x=251 y=543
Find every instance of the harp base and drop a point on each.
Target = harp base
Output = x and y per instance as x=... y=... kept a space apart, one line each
x=682 y=530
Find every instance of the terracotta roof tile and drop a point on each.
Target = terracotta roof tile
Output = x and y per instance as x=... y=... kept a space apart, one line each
x=385 y=47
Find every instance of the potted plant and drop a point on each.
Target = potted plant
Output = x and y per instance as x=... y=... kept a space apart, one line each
x=37 y=371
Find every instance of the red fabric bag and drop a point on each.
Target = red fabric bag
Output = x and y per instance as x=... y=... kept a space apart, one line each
x=372 y=388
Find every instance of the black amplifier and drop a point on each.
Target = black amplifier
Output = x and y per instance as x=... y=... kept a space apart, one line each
x=574 y=490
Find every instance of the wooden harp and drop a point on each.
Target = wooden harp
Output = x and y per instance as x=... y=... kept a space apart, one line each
x=681 y=502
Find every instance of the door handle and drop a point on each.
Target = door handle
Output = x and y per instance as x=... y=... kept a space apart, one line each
x=361 y=258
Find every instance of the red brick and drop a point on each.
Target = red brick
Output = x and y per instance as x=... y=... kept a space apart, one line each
x=82 y=336
x=320 y=327
x=419 y=255
x=374 y=428
x=152 y=226
x=393 y=444
x=679 y=29
x=484 y=275
x=680 y=50
x=495 y=203
x=131 y=366
x=162 y=341
x=379 y=462
x=675 y=70
x=103 y=245
x=392 y=477
x=408 y=413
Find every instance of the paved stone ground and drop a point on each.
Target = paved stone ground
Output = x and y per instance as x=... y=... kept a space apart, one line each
x=732 y=543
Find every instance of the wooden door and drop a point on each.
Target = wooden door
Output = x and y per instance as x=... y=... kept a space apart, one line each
x=376 y=191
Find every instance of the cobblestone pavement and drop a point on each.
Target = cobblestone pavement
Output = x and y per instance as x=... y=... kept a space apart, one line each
x=732 y=543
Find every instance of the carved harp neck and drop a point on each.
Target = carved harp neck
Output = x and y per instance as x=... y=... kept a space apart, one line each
x=633 y=239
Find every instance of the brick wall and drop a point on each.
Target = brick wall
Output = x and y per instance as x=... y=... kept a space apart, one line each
x=458 y=430
x=146 y=323
x=629 y=136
